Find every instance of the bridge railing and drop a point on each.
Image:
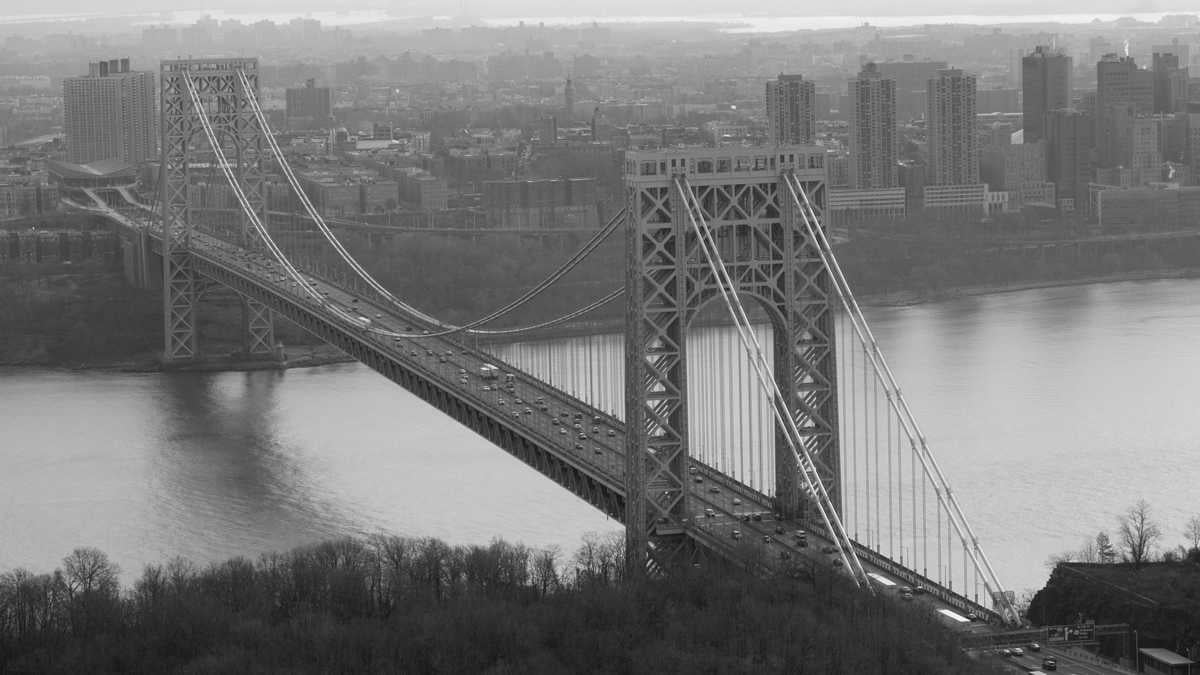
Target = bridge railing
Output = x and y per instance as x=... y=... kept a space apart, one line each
x=913 y=578
x=930 y=586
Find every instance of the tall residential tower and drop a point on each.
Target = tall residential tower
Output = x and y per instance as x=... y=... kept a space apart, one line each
x=1045 y=86
x=873 y=145
x=791 y=105
x=1123 y=91
x=950 y=124
x=110 y=114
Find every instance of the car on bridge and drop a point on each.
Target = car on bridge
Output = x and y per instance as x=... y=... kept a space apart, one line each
x=1049 y=663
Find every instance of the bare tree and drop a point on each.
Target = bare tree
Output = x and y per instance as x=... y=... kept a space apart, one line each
x=88 y=570
x=1104 y=548
x=1139 y=532
x=545 y=570
x=1090 y=553
x=1192 y=531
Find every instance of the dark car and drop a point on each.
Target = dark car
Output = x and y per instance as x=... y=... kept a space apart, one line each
x=1049 y=663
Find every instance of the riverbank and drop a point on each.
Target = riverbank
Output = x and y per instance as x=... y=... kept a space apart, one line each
x=908 y=298
x=893 y=299
x=302 y=356
x=29 y=355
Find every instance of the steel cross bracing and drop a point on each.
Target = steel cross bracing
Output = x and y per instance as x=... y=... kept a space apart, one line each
x=802 y=200
x=222 y=100
x=800 y=457
x=770 y=259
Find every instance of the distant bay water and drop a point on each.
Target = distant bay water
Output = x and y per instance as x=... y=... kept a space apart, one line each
x=758 y=23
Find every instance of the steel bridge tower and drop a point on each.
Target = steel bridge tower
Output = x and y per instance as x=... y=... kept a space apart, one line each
x=762 y=240
x=184 y=151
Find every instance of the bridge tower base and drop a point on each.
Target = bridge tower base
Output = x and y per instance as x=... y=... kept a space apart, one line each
x=258 y=328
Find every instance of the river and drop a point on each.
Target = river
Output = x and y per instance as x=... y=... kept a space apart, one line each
x=1050 y=410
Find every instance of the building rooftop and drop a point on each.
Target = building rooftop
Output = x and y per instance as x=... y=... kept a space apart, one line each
x=1166 y=656
x=104 y=168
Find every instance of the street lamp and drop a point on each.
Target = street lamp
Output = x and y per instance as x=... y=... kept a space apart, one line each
x=1137 y=654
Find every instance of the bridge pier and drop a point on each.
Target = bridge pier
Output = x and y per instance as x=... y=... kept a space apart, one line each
x=182 y=287
x=258 y=328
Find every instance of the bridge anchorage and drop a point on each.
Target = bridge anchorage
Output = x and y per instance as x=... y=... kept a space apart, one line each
x=815 y=456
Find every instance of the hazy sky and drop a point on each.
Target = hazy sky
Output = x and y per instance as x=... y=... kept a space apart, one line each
x=615 y=8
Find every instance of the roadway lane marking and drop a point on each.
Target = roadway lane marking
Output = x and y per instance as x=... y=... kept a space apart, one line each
x=954 y=615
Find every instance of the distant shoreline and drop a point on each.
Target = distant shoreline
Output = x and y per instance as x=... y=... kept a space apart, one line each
x=733 y=22
x=322 y=355
x=913 y=298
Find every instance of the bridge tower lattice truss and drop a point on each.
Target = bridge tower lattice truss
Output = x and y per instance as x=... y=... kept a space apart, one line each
x=771 y=259
x=228 y=108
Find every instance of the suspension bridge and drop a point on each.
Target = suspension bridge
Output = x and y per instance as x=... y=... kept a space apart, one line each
x=778 y=440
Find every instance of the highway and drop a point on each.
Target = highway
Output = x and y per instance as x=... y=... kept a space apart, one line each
x=1066 y=662
x=548 y=417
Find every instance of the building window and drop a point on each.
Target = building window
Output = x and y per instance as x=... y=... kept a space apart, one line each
x=723 y=165
x=647 y=169
x=704 y=166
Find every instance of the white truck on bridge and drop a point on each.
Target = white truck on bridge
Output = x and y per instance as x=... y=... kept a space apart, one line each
x=488 y=372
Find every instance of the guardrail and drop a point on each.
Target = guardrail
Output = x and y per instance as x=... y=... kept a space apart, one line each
x=1084 y=655
x=930 y=586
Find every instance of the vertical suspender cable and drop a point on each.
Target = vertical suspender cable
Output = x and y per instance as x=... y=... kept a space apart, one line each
x=900 y=405
x=852 y=486
x=888 y=491
x=879 y=491
x=925 y=522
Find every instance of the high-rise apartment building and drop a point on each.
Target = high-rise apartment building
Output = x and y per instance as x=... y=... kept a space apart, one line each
x=1170 y=83
x=309 y=105
x=791 y=105
x=110 y=114
x=1069 y=143
x=950 y=124
x=873 y=144
x=1045 y=86
x=1123 y=91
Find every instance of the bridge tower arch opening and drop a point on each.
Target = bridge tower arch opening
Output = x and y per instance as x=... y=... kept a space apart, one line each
x=730 y=425
x=226 y=104
x=743 y=199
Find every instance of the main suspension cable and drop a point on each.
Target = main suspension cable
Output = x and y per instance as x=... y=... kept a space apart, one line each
x=447 y=329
